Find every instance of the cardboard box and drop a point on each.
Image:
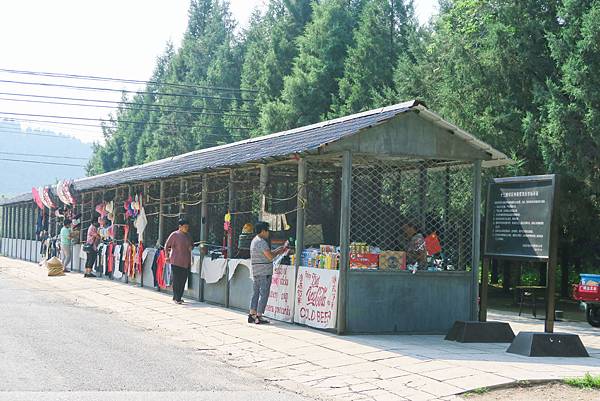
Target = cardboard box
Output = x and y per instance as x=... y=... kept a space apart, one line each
x=364 y=260
x=392 y=260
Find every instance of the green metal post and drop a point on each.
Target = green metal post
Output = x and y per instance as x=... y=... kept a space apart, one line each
x=476 y=238
x=344 y=240
x=203 y=232
x=301 y=212
x=161 y=211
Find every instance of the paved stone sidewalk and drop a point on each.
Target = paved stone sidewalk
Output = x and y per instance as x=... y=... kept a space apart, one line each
x=365 y=367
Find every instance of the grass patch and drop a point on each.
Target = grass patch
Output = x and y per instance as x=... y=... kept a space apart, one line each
x=587 y=382
x=478 y=391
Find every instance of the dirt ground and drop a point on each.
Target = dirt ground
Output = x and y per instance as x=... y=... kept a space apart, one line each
x=543 y=392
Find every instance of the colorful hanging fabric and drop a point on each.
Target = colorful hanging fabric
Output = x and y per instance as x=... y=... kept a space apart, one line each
x=36 y=198
x=101 y=209
x=139 y=261
x=67 y=191
x=130 y=261
x=111 y=259
x=47 y=199
x=160 y=269
x=61 y=194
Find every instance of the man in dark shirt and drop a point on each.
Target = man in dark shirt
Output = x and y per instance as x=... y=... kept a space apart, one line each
x=178 y=249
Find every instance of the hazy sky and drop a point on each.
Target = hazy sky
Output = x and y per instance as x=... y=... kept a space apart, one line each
x=110 y=38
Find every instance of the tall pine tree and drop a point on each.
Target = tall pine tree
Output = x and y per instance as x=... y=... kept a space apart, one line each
x=385 y=32
x=308 y=92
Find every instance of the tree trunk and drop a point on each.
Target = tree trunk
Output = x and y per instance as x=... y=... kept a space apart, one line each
x=543 y=274
x=495 y=272
x=506 y=276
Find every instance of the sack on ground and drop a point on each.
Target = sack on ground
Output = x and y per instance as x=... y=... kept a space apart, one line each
x=55 y=267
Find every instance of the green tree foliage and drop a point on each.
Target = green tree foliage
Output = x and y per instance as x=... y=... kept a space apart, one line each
x=385 y=31
x=309 y=89
x=521 y=75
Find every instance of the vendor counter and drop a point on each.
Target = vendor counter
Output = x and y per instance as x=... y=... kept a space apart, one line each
x=218 y=274
x=426 y=302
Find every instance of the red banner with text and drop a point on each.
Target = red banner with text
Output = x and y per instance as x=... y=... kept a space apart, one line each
x=316 y=297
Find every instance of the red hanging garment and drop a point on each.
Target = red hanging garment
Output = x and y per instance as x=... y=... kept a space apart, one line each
x=160 y=269
x=139 y=262
x=111 y=259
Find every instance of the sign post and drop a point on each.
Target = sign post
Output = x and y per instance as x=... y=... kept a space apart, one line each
x=521 y=224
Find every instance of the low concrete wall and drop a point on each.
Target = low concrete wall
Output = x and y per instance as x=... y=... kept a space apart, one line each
x=216 y=293
x=401 y=302
x=240 y=288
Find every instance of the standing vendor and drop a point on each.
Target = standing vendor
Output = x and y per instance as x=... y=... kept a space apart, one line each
x=416 y=252
x=261 y=258
x=179 y=254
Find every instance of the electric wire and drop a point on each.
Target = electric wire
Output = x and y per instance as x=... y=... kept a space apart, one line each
x=41 y=162
x=124 y=80
x=94 y=88
x=151 y=108
x=108 y=120
x=41 y=155
x=168 y=107
x=132 y=122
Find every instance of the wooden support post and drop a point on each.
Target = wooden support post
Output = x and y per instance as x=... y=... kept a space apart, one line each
x=344 y=240
x=32 y=232
x=182 y=193
x=14 y=224
x=475 y=249
x=82 y=211
x=301 y=212
x=230 y=255
x=423 y=186
x=20 y=224
x=161 y=211
x=264 y=181
x=203 y=232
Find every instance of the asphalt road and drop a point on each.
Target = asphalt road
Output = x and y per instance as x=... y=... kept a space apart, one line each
x=53 y=351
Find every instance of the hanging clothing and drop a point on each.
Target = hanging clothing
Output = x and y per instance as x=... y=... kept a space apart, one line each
x=139 y=260
x=168 y=275
x=157 y=255
x=110 y=258
x=160 y=269
x=277 y=221
x=140 y=224
x=118 y=271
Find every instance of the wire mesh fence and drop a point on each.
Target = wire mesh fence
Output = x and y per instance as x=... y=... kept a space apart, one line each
x=420 y=207
x=245 y=209
x=323 y=188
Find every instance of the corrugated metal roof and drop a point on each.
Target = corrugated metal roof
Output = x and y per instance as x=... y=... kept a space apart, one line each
x=298 y=140
x=27 y=197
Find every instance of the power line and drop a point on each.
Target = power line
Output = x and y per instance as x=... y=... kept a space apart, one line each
x=120 y=102
x=40 y=162
x=93 y=88
x=41 y=155
x=151 y=108
x=131 y=81
x=38 y=134
x=182 y=125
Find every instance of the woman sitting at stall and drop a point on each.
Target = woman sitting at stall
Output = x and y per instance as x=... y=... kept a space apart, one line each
x=416 y=252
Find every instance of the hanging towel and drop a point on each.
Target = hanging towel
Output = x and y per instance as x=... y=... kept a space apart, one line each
x=234 y=263
x=213 y=270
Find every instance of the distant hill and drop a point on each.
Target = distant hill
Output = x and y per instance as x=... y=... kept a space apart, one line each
x=17 y=177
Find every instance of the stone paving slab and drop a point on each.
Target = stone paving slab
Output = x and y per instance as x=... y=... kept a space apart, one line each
x=362 y=367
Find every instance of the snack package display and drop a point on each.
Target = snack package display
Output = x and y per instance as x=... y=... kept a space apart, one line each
x=392 y=260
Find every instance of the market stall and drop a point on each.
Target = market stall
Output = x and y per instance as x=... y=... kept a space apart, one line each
x=382 y=207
